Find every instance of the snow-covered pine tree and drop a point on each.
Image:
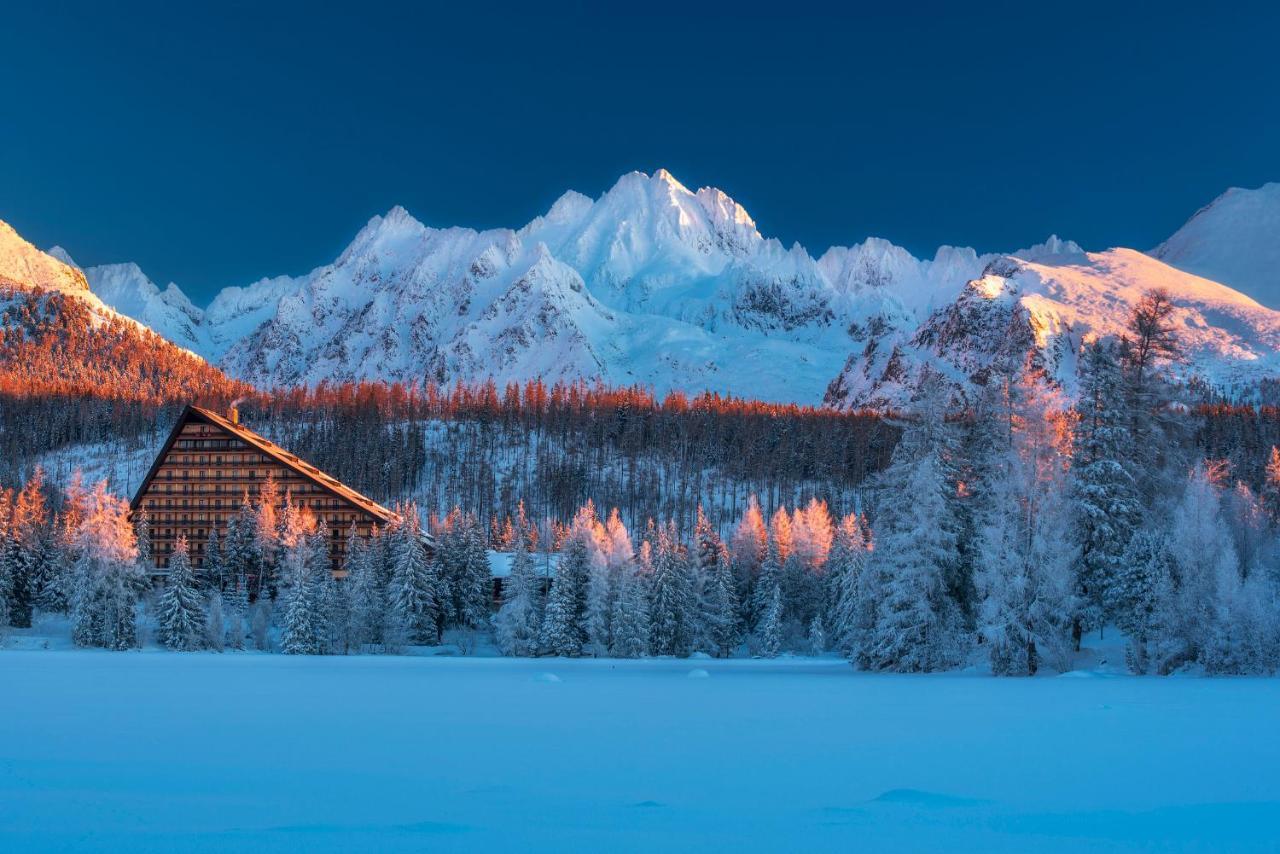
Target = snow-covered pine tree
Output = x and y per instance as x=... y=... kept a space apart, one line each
x=672 y=610
x=28 y=519
x=180 y=613
x=1202 y=562
x=214 y=576
x=769 y=579
x=860 y=591
x=1105 y=502
x=266 y=536
x=1136 y=594
x=106 y=581
x=817 y=637
x=414 y=590
x=215 y=626
x=747 y=547
x=306 y=564
x=631 y=625
x=721 y=614
x=770 y=629
x=520 y=617
x=562 y=630
x=473 y=586
x=918 y=625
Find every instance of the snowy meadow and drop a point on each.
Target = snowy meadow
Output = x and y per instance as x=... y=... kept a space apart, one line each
x=150 y=751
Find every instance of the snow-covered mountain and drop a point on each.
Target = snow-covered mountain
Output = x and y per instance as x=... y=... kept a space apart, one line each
x=1043 y=310
x=654 y=283
x=1235 y=240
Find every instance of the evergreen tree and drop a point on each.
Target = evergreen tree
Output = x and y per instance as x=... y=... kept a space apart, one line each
x=413 y=592
x=106 y=582
x=180 y=611
x=1106 y=507
x=631 y=625
x=918 y=625
x=306 y=565
x=562 y=624
x=722 y=610
x=770 y=629
x=215 y=627
x=519 y=618
x=671 y=613
x=1145 y=574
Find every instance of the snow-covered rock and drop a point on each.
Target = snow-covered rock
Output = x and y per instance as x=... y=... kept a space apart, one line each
x=1235 y=240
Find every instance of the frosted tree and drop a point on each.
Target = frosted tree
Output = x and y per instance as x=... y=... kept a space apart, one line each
x=721 y=610
x=1104 y=496
x=236 y=611
x=747 y=548
x=817 y=637
x=215 y=570
x=854 y=616
x=25 y=557
x=1144 y=578
x=631 y=625
x=917 y=622
x=367 y=593
x=215 y=624
x=1022 y=561
x=106 y=580
x=305 y=563
x=1271 y=486
x=672 y=608
x=769 y=580
x=562 y=630
x=413 y=591
x=770 y=629
x=180 y=611
x=266 y=535
x=1202 y=561
x=519 y=619
x=338 y=614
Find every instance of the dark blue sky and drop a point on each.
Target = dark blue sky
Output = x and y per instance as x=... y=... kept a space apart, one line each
x=217 y=146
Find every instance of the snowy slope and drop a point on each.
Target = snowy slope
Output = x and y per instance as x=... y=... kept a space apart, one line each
x=1234 y=240
x=1044 y=310
x=127 y=290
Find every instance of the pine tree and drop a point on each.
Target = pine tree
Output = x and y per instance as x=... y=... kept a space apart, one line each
x=306 y=565
x=817 y=637
x=1106 y=506
x=672 y=609
x=414 y=590
x=29 y=516
x=562 y=624
x=631 y=625
x=106 y=581
x=1137 y=591
x=722 y=610
x=918 y=626
x=769 y=580
x=215 y=627
x=180 y=611
x=770 y=629
x=519 y=618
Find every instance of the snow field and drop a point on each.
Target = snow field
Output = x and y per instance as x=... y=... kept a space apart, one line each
x=205 y=752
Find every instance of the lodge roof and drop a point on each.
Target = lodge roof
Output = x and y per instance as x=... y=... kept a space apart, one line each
x=289 y=460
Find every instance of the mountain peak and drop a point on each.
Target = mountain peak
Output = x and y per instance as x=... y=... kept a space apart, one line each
x=26 y=266
x=1235 y=239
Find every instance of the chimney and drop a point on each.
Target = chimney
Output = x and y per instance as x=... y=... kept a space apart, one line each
x=233 y=415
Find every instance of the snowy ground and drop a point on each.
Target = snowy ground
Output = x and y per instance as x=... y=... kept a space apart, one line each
x=157 y=751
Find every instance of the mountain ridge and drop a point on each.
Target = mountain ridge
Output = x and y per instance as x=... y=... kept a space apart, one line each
x=654 y=283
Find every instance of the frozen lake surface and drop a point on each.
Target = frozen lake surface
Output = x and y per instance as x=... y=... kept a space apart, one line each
x=203 y=752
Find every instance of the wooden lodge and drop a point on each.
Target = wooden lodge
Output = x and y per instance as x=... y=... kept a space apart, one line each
x=210 y=463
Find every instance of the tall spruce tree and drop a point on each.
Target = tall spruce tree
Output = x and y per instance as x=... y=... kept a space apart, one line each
x=1105 y=501
x=180 y=611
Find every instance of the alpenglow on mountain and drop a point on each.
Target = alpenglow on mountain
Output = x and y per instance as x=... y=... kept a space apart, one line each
x=653 y=283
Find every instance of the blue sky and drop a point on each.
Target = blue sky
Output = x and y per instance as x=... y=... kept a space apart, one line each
x=217 y=143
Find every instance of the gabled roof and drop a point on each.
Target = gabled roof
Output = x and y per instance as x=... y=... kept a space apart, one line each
x=291 y=461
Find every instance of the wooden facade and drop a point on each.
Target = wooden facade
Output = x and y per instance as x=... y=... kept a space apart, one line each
x=207 y=467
